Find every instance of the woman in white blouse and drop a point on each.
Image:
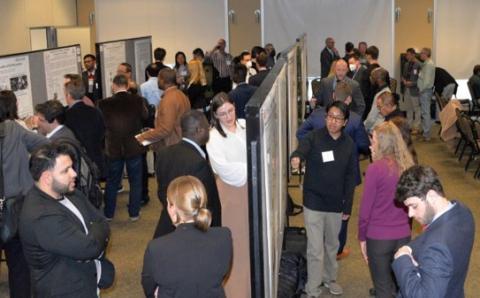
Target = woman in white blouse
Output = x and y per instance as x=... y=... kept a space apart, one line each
x=227 y=152
x=227 y=148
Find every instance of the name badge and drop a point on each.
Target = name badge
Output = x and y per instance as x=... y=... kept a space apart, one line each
x=327 y=156
x=228 y=62
x=415 y=72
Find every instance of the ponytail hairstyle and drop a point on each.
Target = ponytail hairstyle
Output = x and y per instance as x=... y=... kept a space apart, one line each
x=188 y=194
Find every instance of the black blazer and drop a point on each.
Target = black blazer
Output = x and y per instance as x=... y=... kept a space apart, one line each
x=87 y=124
x=326 y=60
x=325 y=94
x=257 y=79
x=124 y=115
x=363 y=80
x=443 y=253
x=97 y=85
x=58 y=251
x=240 y=96
x=184 y=159
x=188 y=263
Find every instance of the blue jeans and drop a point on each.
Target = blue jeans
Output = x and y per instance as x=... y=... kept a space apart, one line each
x=425 y=99
x=114 y=177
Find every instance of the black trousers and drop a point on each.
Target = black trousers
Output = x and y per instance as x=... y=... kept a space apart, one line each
x=222 y=84
x=18 y=271
x=164 y=225
x=380 y=256
x=145 y=196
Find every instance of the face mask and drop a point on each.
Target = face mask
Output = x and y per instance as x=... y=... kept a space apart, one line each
x=249 y=64
x=352 y=67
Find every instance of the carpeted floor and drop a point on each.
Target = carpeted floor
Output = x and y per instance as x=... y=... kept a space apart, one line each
x=129 y=239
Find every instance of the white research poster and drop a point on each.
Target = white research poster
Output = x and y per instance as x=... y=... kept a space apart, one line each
x=143 y=57
x=15 y=76
x=113 y=55
x=58 y=63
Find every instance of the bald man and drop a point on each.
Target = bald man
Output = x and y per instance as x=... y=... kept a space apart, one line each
x=328 y=55
x=327 y=87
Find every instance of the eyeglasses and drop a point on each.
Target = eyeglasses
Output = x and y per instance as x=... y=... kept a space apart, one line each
x=334 y=118
x=226 y=113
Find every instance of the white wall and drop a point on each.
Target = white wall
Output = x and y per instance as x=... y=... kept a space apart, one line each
x=176 y=25
x=19 y=15
x=457 y=36
x=344 y=20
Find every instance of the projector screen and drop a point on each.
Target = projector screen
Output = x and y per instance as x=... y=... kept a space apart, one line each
x=344 y=20
x=456 y=43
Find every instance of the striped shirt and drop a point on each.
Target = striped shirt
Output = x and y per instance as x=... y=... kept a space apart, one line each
x=222 y=62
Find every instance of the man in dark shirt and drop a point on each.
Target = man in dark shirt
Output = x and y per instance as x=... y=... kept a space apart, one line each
x=91 y=78
x=86 y=122
x=159 y=55
x=330 y=180
x=327 y=56
x=257 y=79
x=388 y=106
x=243 y=92
x=474 y=83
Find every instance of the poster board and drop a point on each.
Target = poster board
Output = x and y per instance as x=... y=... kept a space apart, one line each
x=135 y=51
x=37 y=76
x=267 y=183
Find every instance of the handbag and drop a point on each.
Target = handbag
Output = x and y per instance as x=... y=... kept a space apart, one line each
x=9 y=207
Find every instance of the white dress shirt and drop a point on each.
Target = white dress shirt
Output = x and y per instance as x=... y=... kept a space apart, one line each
x=228 y=156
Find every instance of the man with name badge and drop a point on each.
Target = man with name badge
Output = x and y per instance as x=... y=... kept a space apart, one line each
x=330 y=179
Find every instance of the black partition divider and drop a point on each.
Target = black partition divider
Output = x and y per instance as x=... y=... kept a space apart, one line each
x=38 y=81
x=256 y=180
x=272 y=115
x=132 y=57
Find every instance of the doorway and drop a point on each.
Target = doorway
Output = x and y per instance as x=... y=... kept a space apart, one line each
x=244 y=25
x=413 y=28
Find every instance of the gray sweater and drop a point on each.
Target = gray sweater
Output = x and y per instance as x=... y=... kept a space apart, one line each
x=17 y=145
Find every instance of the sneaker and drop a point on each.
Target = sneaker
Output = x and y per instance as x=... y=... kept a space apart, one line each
x=120 y=189
x=134 y=218
x=333 y=287
x=109 y=219
x=343 y=254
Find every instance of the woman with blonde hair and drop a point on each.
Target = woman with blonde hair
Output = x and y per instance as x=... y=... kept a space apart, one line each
x=197 y=85
x=383 y=225
x=193 y=260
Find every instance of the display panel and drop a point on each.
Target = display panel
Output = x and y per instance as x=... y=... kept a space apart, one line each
x=37 y=76
x=135 y=51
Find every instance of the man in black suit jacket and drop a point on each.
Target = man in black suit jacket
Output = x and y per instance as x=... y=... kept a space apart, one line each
x=86 y=123
x=91 y=78
x=327 y=87
x=358 y=73
x=187 y=158
x=256 y=80
x=435 y=264
x=63 y=235
x=243 y=92
x=50 y=119
x=327 y=56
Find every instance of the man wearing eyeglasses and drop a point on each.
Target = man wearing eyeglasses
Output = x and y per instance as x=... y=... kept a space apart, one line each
x=330 y=179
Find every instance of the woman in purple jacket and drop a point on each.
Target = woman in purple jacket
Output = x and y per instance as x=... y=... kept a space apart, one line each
x=383 y=225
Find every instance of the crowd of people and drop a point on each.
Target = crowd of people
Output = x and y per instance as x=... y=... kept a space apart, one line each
x=192 y=116
x=358 y=115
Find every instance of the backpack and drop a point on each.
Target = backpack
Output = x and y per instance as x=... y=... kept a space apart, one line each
x=88 y=174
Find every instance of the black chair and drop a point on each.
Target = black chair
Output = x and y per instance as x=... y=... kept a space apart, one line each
x=474 y=109
x=471 y=142
x=476 y=127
